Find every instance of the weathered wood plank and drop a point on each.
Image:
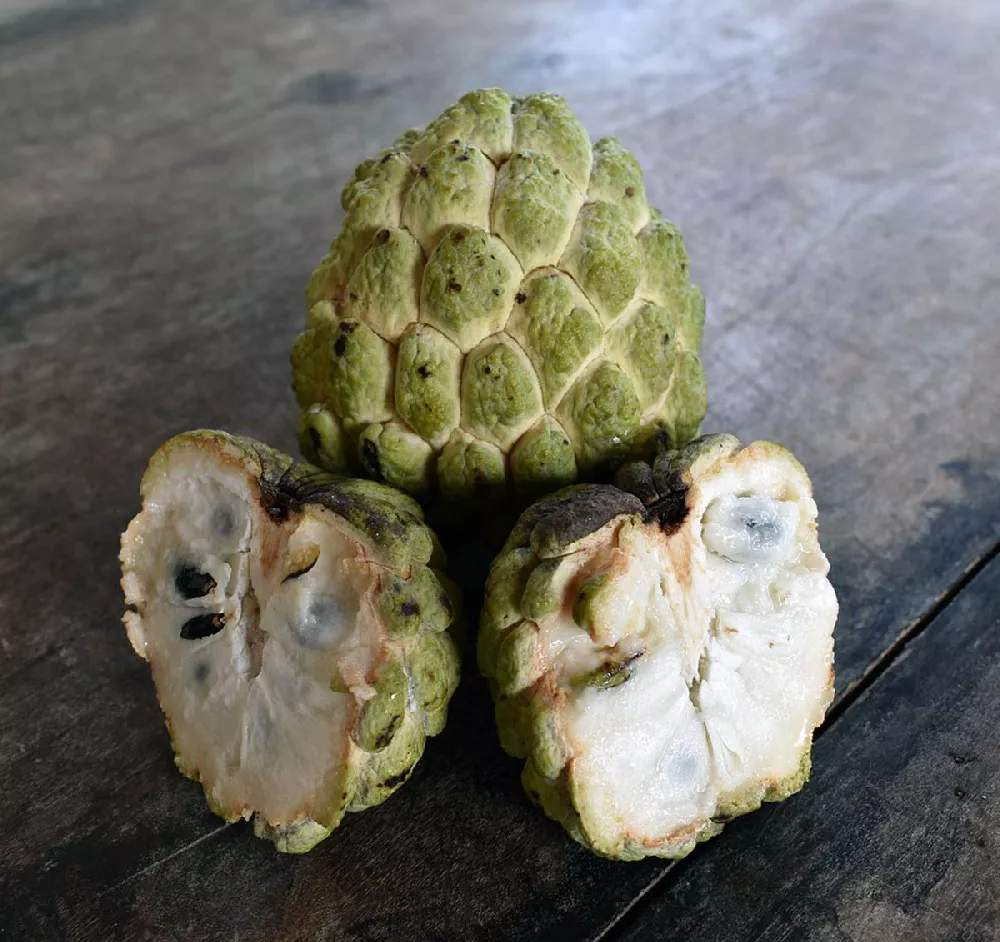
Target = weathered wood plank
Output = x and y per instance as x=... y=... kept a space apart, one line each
x=169 y=174
x=897 y=836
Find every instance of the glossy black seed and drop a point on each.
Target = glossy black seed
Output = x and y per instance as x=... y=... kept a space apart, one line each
x=203 y=626
x=191 y=583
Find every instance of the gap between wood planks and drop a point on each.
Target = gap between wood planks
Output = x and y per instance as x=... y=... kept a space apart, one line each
x=847 y=698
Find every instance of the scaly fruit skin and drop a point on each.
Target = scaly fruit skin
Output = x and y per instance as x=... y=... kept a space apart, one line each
x=362 y=691
x=734 y=600
x=502 y=311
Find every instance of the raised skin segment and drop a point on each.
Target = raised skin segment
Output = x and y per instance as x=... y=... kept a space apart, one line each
x=453 y=186
x=617 y=178
x=534 y=206
x=556 y=326
x=384 y=290
x=469 y=285
x=254 y=586
x=603 y=258
x=661 y=654
x=481 y=119
x=428 y=372
x=545 y=123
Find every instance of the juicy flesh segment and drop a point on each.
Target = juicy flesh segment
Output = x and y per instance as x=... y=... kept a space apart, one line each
x=724 y=629
x=260 y=637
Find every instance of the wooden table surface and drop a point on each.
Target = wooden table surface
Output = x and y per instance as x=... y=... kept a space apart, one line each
x=170 y=171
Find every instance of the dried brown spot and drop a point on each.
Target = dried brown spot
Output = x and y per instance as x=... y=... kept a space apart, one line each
x=487 y=370
x=496 y=292
x=630 y=191
x=423 y=172
x=454 y=286
x=409 y=607
x=520 y=297
x=383 y=236
x=340 y=346
x=423 y=372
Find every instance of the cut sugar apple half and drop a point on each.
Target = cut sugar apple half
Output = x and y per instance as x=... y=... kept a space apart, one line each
x=295 y=627
x=661 y=651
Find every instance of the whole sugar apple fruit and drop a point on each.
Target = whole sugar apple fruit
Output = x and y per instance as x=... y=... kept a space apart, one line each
x=501 y=311
x=296 y=630
x=661 y=651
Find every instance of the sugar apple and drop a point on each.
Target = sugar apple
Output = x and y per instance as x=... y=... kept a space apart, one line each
x=501 y=311
x=296 y=630
x=660 y=651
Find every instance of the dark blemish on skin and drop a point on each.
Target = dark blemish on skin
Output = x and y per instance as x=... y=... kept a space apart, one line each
x=487 y=370
x=386 y=158
x=409 y=607
x=191 y=583
x=317 y=442
x=454 y=286
x=423 y=372
x=556 y=172
x=463 y=157
x=340 y=347
x=520 y=297
x=132 y=608
x=278 y=511
x=353 y=296
x=423 y=172
x=496 y=292
x=630 y=191
x=201 y=672
x=385 y=737
x=383 y=236
x=456 y=140
x=203 y=626
x=395 y=780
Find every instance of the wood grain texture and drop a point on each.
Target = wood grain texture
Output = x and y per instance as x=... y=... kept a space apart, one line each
x=170 y=173
x=898 y=834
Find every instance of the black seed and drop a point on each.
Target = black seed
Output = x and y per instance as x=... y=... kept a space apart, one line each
x=520 y=297
x=301 y=572
x=277 y=511
x=630 y=191
x=192 y=583
x=423 y=372
x=409 y=607
x=201 y=672
x=203 y=626
x=340 y=347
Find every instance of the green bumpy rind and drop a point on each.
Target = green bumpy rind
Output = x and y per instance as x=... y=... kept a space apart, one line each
x=501 y=231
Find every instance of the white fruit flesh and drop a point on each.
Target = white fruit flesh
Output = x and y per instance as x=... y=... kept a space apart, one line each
x=732 y=618
x=260 y=710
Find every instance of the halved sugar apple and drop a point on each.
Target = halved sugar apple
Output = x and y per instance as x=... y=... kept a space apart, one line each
x=296 y=628
x=660 y=651
x=501 y=311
